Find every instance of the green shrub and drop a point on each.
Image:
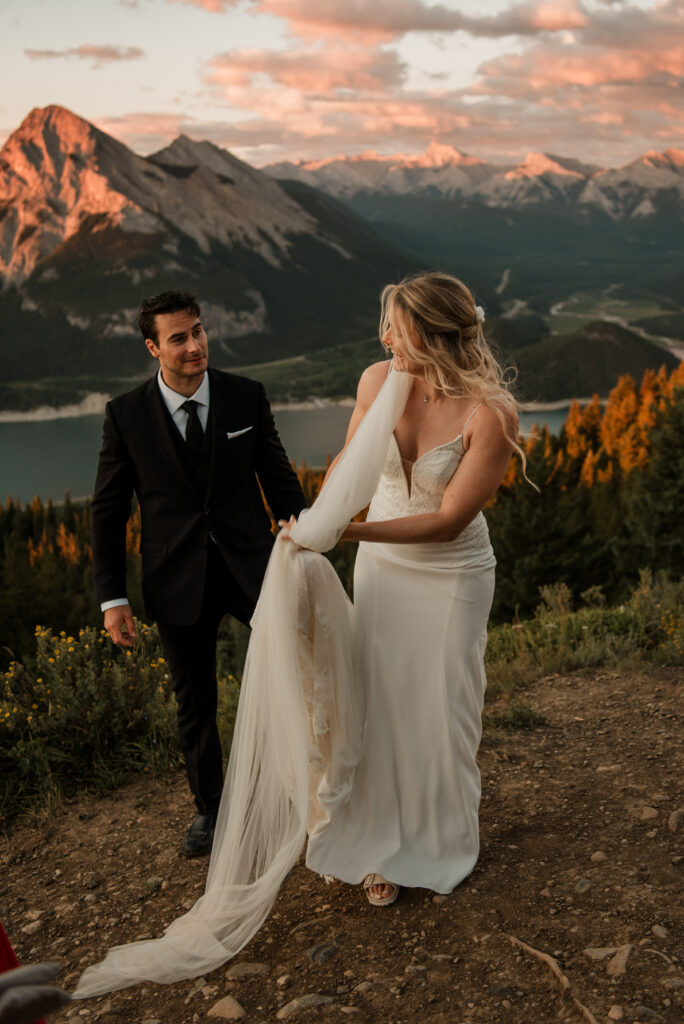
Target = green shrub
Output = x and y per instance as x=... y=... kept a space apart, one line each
x=649 y=627
x=89 y=714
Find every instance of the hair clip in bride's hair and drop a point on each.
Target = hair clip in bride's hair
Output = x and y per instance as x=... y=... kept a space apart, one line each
x=479 y=314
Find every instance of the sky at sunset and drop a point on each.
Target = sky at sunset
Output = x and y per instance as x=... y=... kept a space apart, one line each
x=600 y=80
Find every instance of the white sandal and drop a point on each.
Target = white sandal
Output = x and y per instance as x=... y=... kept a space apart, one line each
x=380 y=901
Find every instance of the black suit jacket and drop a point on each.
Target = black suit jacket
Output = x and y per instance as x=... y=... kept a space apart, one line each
x=140 y=454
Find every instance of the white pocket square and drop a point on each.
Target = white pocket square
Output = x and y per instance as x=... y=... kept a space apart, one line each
x=236 y=433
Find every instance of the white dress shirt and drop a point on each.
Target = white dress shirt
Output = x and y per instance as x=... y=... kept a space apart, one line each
x=173 y=402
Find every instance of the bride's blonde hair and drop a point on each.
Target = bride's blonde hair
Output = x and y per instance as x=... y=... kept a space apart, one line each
x=454 y=354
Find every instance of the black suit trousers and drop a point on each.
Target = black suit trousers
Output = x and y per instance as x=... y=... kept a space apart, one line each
x=191 y=654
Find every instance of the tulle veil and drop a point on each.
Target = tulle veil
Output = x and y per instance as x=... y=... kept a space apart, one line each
x=297 y=733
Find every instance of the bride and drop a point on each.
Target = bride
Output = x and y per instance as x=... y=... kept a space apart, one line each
x=359 y=724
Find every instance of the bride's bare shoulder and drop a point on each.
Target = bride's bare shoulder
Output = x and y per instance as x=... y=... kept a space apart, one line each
x=372 y=379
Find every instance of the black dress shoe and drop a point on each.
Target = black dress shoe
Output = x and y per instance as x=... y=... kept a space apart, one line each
x=200 y=837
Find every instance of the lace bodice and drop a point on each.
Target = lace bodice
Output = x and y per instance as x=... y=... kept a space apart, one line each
x=398 y=496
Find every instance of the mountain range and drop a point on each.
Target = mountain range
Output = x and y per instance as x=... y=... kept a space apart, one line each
x=638 y=189
x=289 y=260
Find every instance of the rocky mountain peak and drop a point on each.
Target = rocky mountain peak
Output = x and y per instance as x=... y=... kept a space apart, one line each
x=59 y=175
x=436 y=155
x=40 y=147
x=536 y=164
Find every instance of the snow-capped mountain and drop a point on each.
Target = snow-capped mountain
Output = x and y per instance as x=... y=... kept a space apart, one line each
x=441 y=168
x=636 y=190
x=87 y=228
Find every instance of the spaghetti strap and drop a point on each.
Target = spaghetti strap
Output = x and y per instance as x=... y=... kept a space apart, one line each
x=469 y=417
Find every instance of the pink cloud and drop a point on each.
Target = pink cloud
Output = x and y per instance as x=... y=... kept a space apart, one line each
x=383 y=20
x=99 y=55
x=309 y=70
x=599 y=83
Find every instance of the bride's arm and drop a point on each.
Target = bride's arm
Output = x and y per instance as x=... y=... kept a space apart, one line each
x=477 y=478
x=372 y=379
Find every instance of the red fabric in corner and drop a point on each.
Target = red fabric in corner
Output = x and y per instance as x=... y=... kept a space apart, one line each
x=8 y=958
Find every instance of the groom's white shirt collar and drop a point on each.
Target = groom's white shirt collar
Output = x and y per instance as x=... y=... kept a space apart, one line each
x=173 y=402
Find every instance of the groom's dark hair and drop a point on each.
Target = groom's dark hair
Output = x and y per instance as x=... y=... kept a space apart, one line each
x=165 y=302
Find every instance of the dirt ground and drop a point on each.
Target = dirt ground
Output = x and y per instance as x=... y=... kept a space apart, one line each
x=573 y=913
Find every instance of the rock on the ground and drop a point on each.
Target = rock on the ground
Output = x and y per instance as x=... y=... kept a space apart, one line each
x=283 y=981
x=659 y=931
x=301 y=1003
x=597 y=857
x=322 y=952
x=31 y=929
x=247 y=970
x=615 y=1013
x=618 y=965
x=648 y=814
x=600 y=952
x=227 y=1009
x=675 y=819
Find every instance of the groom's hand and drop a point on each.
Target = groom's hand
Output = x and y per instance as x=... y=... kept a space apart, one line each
x=118 y=622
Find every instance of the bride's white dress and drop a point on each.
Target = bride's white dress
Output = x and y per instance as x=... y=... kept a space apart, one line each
x=357 y=725
x=420 y=620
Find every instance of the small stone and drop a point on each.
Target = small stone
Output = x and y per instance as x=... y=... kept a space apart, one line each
x=301 y=1003
x=618 y=965
x=652 y=833
x=348 y=974
x=363 y=986
x=583 y=885
x=659 y=931
x=546 y=893
x=642 y=1013
x=648 y=814
x=675 y=819
x=506 y=1003
x=349 y=1009
x=228 y=1009
x=153 y=883
x=283 y=981
x=600 y=952
x=321 y=953
x=90 y=880
x=672 y=983
x=597 y=857
x=31 y=929
x=247 y=970
x=341 y=990
x=615 y=1013
x=33 y=915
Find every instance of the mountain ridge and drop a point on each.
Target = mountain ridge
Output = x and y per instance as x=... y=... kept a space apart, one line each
x=540 y=177
x=87 y=228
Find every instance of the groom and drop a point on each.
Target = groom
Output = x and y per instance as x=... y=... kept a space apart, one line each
x=195 y=445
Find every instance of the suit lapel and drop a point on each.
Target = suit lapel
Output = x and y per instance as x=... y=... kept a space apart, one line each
x=161 y=426
x=220 y=413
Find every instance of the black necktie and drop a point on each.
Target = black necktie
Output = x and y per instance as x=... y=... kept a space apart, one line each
x=193 y=431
